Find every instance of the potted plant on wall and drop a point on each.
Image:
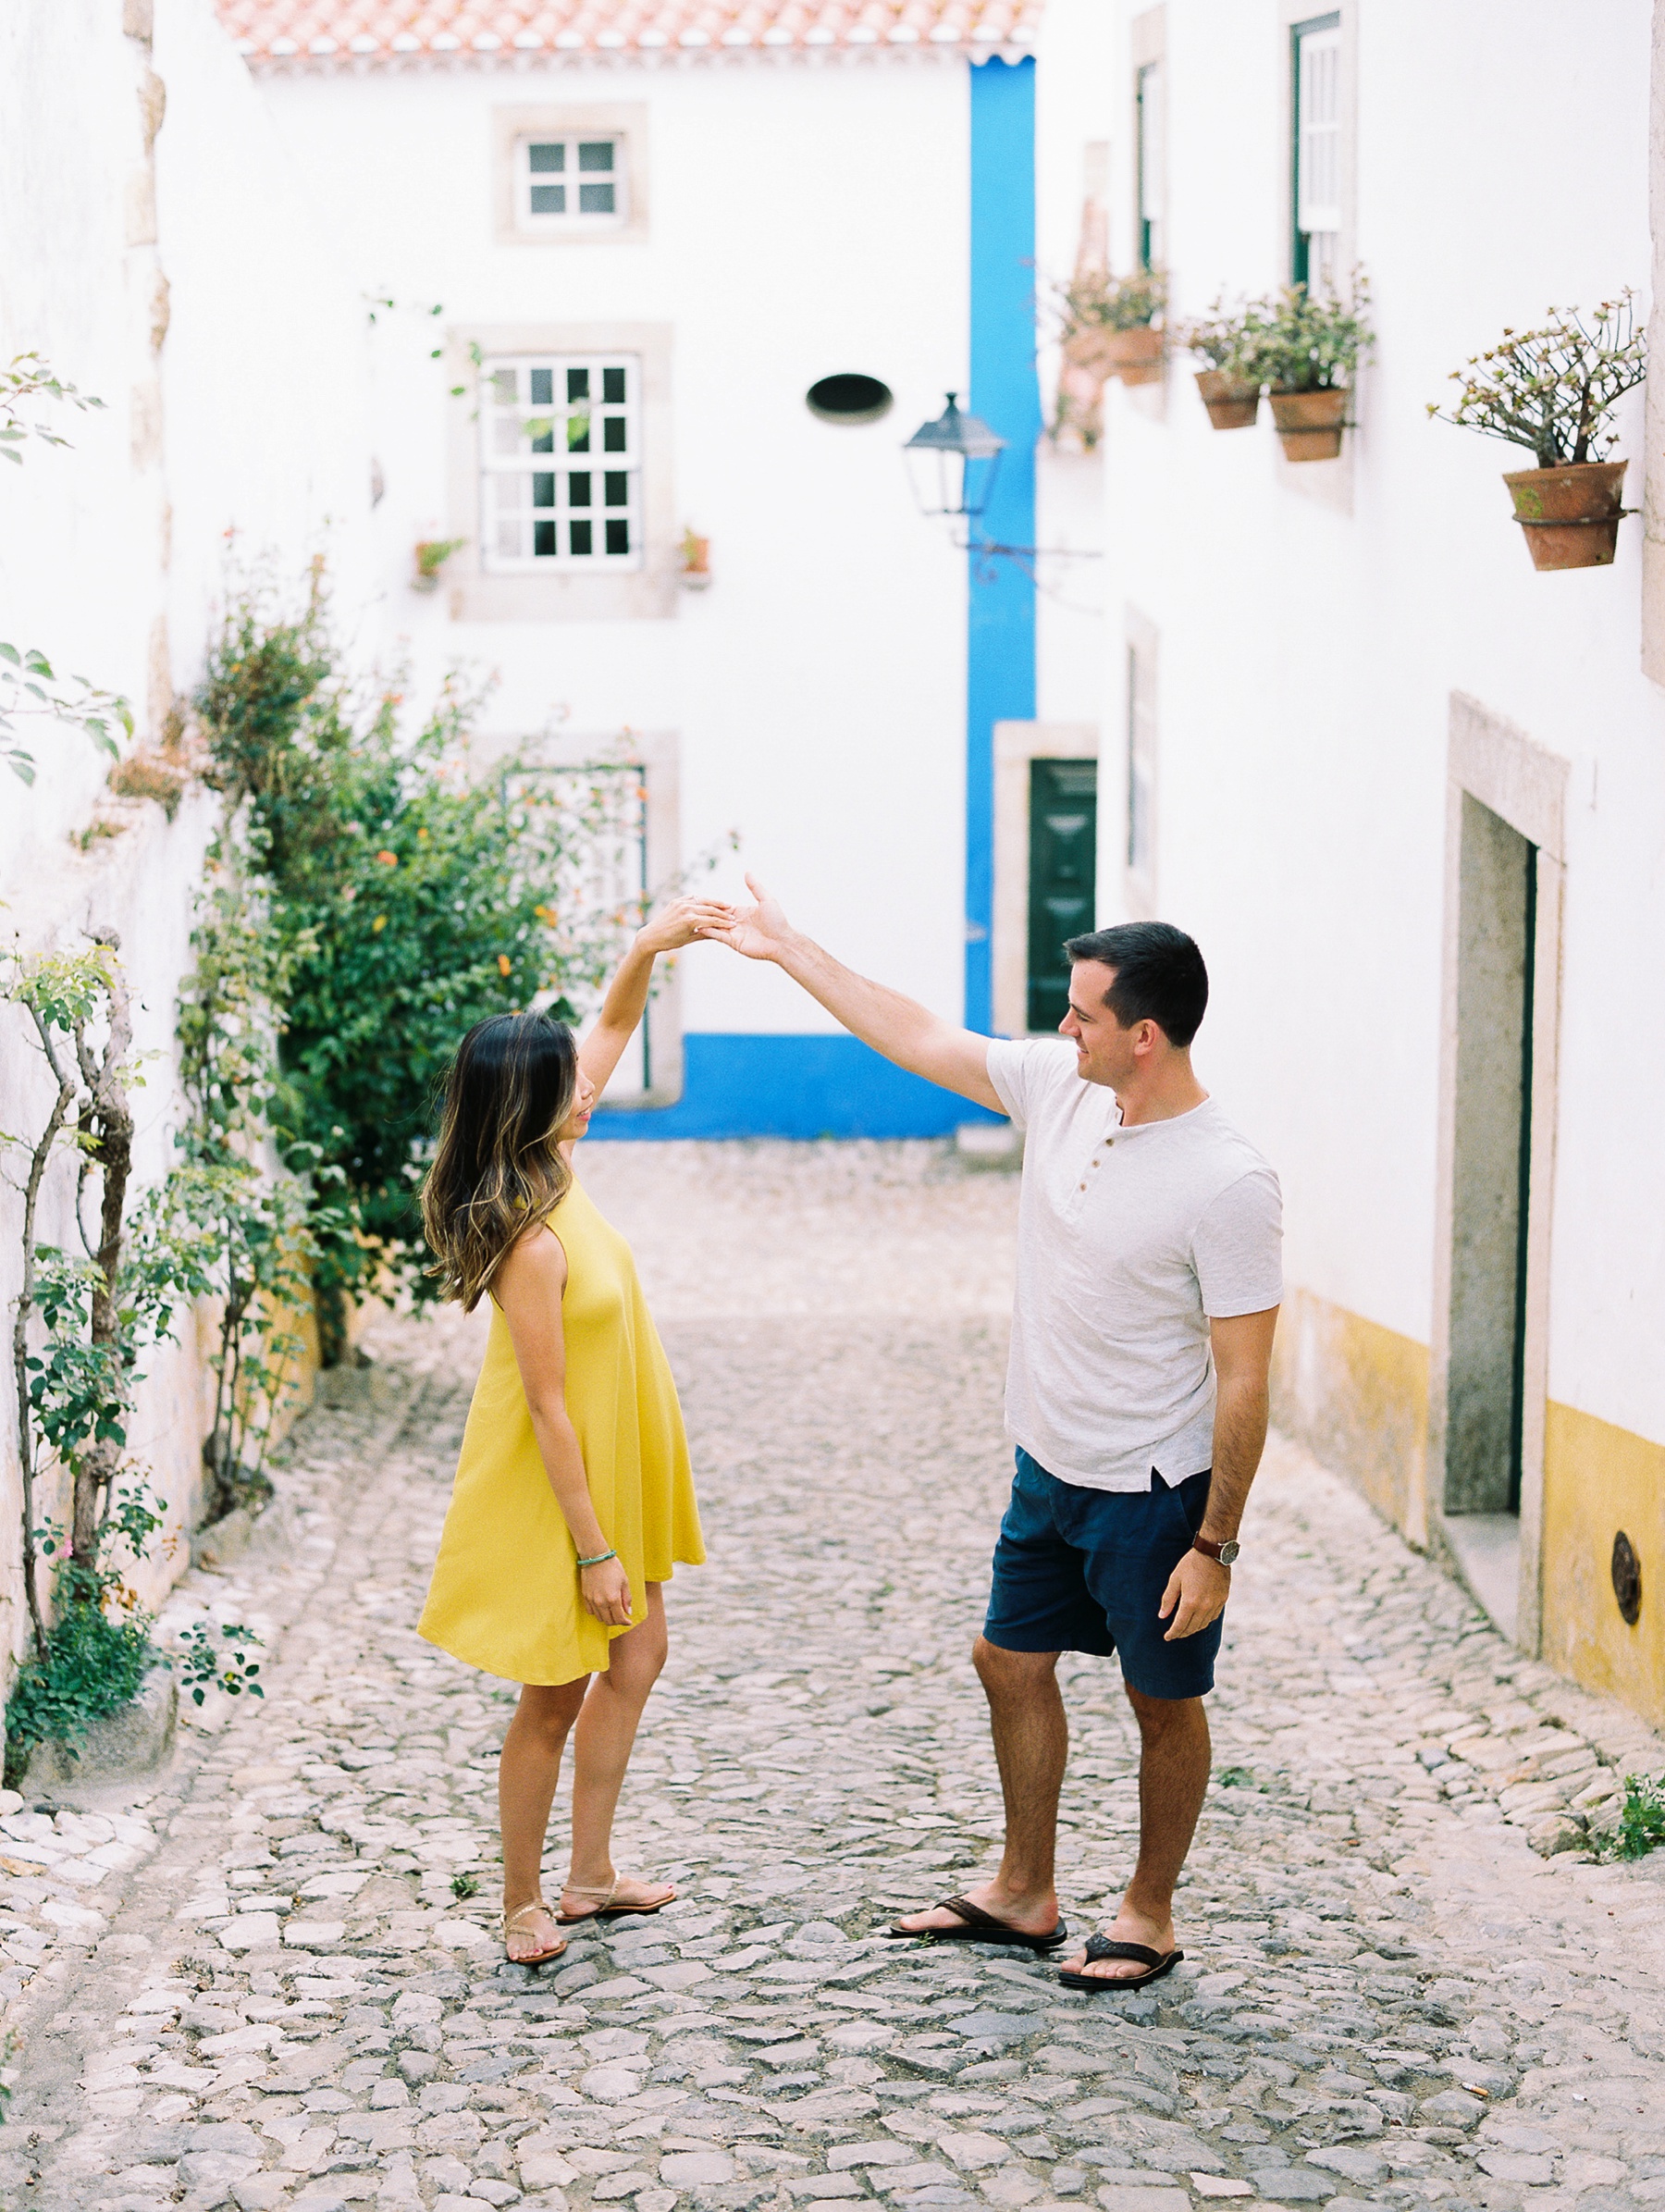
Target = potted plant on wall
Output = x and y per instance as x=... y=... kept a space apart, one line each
x=694 y=561
x=1554 y=390
x=1229 y=342
x=1109 y=324
x=1308 y=352
x=432 y=553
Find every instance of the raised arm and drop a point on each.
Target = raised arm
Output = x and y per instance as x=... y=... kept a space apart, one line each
x=682 y=923
x=899 y=1028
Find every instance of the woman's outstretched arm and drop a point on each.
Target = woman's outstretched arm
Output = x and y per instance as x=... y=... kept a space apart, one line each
x=681 y=923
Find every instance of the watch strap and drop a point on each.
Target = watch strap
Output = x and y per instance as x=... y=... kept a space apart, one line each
x=1210 y=1550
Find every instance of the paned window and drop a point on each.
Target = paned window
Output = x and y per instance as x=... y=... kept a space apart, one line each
x=1142 y=767
x=1148 y=121
x=1316 y=154
x=569 y=181
x=561 y=462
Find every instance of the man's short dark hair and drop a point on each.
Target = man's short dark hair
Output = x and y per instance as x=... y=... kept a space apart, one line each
x=1159 y=975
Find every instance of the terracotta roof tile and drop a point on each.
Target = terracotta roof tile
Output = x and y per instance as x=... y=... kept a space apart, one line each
x=356 y=33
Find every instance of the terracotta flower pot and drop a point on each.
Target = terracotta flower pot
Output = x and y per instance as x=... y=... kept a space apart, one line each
x=1310 y=423
x=1133 y=355
x=1569 y=513
x=1231 y=405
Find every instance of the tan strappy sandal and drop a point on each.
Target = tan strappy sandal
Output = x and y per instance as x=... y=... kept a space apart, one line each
x=609 y=1909
x=511 y=1919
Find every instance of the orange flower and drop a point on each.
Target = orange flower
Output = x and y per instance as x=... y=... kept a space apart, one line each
x=504 y=964
x=388 y=859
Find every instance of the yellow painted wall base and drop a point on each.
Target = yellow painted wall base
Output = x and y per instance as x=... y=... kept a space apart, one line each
x=1599 y=1480
x=1356 y=1395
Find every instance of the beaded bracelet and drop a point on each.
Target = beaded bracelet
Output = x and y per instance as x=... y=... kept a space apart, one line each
x=600 y=1558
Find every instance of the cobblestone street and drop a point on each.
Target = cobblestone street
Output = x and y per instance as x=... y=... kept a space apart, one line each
x=251 y=1981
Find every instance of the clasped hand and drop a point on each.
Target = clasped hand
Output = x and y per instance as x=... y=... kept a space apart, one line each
x=684 y=921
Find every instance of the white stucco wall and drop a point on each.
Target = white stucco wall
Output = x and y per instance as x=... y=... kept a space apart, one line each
x=266 y=371
x=804 y=219
x=1308 y=653
x=241 y=408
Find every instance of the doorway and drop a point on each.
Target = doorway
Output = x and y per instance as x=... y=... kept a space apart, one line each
x=1485 y=1397
x=1063 y=821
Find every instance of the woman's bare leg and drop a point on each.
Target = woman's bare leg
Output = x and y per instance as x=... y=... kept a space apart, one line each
x=528 y=1772
x=602 y=1742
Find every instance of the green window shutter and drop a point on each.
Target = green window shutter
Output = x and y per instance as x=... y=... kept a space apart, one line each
x=1062 y=850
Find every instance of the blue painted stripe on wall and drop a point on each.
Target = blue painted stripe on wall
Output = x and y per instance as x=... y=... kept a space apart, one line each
x=792 y=1086
x=1000 y=651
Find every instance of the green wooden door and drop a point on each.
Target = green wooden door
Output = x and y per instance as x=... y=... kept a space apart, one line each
x=1062 y=845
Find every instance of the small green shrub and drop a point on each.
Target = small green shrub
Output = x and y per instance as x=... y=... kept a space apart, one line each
x=93 y=1664
x=1312 y=342
x=1094 y=299
x=464 y=1885
x=229 y=1668
x=1230 y=340
x=1642 y=1822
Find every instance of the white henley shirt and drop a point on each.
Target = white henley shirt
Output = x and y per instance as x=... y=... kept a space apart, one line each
x=1129 y=1241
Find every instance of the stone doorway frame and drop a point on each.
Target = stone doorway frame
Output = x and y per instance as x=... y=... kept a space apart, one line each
x=1495 y=762
x=1016 y=745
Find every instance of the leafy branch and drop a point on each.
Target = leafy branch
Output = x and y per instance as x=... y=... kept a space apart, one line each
x=25 y=377
x=28 y=686
x=1554 y=390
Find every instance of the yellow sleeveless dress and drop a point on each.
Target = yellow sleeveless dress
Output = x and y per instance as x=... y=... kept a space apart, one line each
x=504 y=1596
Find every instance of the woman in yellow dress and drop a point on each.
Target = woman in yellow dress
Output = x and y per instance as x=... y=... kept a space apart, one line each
x=573 y=1496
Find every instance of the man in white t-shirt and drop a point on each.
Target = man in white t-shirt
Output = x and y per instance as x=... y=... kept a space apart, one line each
x=1148 y=1280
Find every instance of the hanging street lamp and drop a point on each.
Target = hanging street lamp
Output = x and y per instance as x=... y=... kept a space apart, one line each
x=953 y=463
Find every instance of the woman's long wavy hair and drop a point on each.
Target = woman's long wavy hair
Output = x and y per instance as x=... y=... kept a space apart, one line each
x=498 y=1169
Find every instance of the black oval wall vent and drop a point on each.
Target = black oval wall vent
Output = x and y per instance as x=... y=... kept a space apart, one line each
x=848 y=399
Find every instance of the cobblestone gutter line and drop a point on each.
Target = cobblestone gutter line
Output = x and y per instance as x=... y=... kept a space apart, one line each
x=1388 y=1997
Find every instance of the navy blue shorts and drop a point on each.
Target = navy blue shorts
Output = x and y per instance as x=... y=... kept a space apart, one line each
x=1080 y=1570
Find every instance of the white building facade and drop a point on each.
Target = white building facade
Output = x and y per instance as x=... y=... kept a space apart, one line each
x=230 y=363
x=1408 y=793
x=660 y=301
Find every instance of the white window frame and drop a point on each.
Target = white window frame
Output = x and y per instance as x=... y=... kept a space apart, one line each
x=563 y=469
x=571 y=179
x=1318 y=146
x=1142 y=759
x=1149 y=214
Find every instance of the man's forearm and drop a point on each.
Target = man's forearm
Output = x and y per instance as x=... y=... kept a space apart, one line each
x=898 y=1026
x=1242 y=1410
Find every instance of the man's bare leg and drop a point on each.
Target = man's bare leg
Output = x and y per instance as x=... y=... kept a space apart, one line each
x=1031 y=1747
x=1172 y=1780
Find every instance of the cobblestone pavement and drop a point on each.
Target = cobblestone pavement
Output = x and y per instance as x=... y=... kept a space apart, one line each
x=253 y=1983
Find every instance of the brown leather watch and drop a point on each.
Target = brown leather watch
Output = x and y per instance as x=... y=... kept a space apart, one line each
x=1223 y=1554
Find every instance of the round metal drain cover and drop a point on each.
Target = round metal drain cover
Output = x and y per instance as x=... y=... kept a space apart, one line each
x=1627 y=1579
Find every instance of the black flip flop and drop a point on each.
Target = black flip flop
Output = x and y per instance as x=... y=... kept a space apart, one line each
x=982 y=1927
x=1156 y=1964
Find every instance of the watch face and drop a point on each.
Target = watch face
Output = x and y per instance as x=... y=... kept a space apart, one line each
x=1228 y=1552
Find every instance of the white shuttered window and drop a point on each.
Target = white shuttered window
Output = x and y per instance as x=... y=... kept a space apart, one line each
x=561 y=462
x=1317 y=149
